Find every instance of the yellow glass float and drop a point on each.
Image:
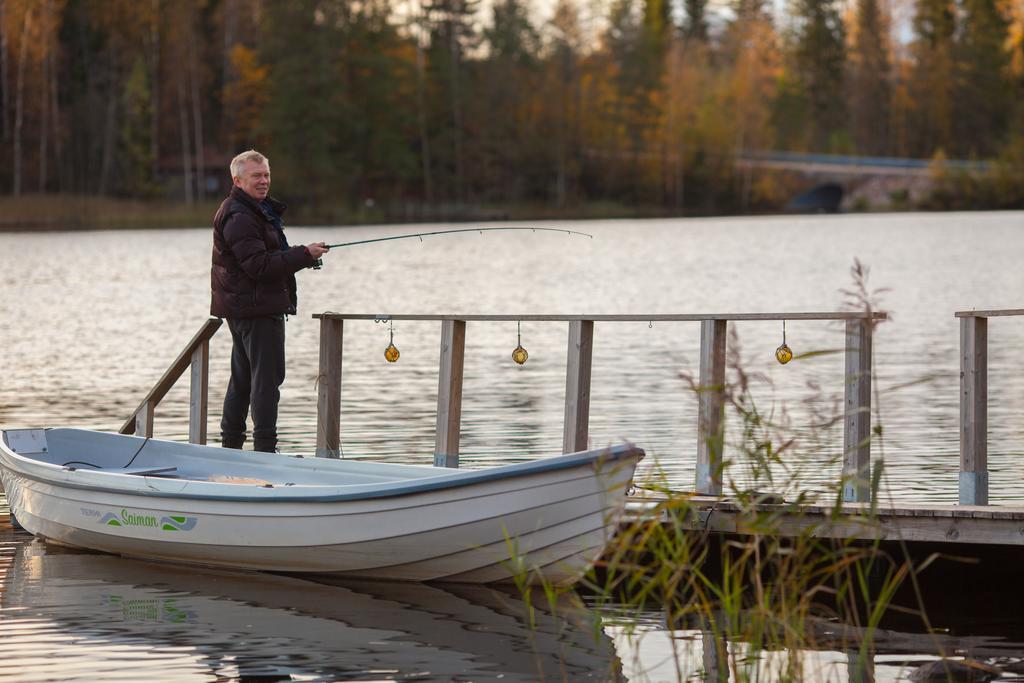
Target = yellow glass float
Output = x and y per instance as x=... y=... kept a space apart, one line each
x=783 y=354
x=519 y=354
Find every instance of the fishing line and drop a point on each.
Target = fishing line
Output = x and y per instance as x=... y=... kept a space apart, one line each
x=144 y=442
x=100 y=467
x=421 y=235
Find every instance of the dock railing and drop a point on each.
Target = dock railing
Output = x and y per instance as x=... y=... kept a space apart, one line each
x=974 y=403
x=196 y=355
x=711 y=403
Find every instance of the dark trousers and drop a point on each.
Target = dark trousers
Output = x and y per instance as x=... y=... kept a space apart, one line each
x=257 y=372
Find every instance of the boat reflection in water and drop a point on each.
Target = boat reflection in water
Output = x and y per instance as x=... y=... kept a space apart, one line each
x=68 y=614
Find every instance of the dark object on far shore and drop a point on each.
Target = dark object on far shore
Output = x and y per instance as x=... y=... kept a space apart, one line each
x=821 y=199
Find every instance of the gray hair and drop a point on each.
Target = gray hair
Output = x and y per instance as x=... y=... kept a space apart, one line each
x=238 y=163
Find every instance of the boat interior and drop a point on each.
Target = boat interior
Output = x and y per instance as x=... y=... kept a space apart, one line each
x=81 y=449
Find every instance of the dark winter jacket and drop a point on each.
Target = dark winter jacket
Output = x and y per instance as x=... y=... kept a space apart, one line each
x=252 y=275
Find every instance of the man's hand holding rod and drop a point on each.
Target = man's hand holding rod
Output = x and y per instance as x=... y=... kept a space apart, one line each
x=317 y=249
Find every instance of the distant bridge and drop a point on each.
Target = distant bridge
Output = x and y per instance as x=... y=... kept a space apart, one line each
x=810 y=164
x=865 y=181
x=833 y=165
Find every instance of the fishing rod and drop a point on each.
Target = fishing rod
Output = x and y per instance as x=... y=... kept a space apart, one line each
x=421 y=235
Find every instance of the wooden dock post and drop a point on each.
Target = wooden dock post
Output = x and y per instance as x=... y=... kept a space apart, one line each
x=857 y=432
x=715 y=656
x=711 y=407
x=199 y=393
x=973 y=410
x=579 y=360
x=449 y=393
x=328 y=402
x=144 y=419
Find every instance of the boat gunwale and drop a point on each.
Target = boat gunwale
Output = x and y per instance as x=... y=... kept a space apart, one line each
x=298 y=493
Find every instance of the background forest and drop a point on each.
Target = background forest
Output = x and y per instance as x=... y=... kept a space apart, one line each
x=405 y=109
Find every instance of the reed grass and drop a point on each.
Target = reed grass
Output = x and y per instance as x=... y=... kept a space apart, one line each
x=773 y=592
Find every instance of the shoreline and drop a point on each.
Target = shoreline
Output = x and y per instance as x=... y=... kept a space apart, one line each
x=61 y=212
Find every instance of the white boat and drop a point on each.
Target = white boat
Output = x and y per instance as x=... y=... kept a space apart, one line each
x=182 y=502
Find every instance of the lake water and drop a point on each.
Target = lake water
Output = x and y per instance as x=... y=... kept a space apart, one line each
x=76 y=616
x=93 y=319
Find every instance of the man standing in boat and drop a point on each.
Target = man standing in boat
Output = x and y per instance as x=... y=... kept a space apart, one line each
x=253 y=286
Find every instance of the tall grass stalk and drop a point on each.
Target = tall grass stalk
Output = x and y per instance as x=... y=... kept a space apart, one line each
x=766 y=586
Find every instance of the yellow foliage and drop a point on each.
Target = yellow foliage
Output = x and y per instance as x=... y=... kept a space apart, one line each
x=1015 y=39
x=246 y=95
x=937 y=170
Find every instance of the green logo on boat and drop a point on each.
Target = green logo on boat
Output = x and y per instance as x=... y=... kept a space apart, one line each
x=170 y=523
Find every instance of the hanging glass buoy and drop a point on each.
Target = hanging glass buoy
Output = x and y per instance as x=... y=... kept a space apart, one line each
x=783 y=354
x=391 y=353
x=519 y=355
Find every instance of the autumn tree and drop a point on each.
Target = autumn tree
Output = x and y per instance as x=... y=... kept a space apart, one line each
x=819 y=61
x=561 y=104
x=378 y=90
x=452 y=34
x=508 y=79
x=245 y=97
x=444 y=103
x=752 y=61
x=934 y=76
x=695 y=26
x=136 y=148
x=870 y=91
x=304 y=107
x=982 y=105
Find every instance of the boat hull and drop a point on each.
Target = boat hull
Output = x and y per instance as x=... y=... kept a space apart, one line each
x=553 y=523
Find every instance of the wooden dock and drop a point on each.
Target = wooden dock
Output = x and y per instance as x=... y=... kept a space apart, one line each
x=913 y=523
x=972 y=521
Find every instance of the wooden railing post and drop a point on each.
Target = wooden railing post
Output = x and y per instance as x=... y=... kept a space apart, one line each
x=449 y=393
x=974 y=410
x=199 y=393
x=576 y=428
x=711 y=407
x=857 y=432
x=144 y=419
x=328 y=402
x=715 y=657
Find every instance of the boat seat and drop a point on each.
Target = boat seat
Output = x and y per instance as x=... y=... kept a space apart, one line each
x=144 y=471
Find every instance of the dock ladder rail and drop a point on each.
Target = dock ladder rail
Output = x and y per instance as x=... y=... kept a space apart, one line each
x=197 y=356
